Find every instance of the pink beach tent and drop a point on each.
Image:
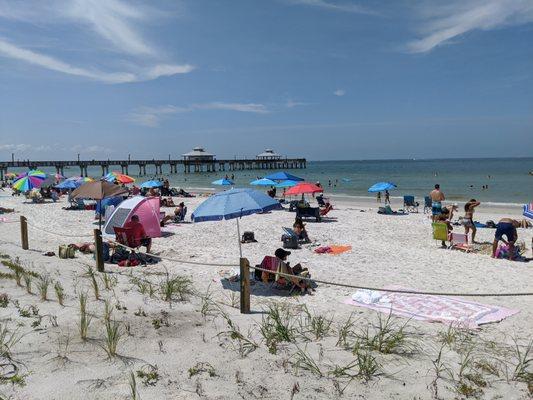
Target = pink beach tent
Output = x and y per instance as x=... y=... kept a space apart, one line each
x=147 y=208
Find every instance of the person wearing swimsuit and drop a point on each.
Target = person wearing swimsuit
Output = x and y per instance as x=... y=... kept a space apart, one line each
x=468 y=219
x=506 y=227
x=437 y=197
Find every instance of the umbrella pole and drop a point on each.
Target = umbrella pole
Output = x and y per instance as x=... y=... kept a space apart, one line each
x=239 y=238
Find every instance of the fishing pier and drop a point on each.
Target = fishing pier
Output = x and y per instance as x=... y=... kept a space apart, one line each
x=196 y=161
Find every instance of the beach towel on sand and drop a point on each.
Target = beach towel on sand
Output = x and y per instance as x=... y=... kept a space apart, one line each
x=448 y=310
x=333 y=249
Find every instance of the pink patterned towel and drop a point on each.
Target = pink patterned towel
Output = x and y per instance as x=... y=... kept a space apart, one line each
x=448 y=310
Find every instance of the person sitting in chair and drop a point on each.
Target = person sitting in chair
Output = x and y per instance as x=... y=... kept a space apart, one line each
x=179 y=215
x=299 y=229
x=285 y=268
x=139 y=235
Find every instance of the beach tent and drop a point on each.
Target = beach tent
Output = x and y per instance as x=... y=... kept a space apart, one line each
x=283 y=176
x=147 y=208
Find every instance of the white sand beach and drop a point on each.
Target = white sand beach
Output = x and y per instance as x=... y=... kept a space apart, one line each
x=195 y=356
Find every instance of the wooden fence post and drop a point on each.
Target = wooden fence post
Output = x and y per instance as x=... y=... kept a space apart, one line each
x=98 y=255
x=24 y=233
x=245 y=286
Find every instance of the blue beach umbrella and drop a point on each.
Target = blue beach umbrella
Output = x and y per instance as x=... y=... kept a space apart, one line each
x=283 y=176
x=263 y=182
x=286 y=184
x=528 y=210
x=68 y=184
x=151 y=184
x=234 y=203
x=381 y=186
x=223 y=182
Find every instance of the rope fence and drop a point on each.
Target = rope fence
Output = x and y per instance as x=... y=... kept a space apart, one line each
x=245 y=270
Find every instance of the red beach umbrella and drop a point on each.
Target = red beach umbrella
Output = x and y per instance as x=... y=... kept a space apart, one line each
x=303 y=188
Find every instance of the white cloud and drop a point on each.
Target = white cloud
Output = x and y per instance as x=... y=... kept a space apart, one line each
x=112 y=20
x=152 y=116
x=241 y=107
x=93 y=149
x=23 y=147
x=115 y=21
x=339 y=92
x=448 y=20
x=292 y=103
x=345 y=6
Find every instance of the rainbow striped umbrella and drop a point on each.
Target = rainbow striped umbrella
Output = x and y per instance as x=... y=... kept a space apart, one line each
x=117 y=176
x=29 y=180
x=80 y=179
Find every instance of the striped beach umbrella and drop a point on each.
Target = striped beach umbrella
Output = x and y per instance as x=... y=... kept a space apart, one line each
x=29 y=180
x=118 y=177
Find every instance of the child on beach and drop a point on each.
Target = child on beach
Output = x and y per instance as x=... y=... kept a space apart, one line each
x=387 y=197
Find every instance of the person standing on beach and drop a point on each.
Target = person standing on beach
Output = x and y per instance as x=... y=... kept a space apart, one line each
x=468 y=219
x=507 y=227
x=378 y=198
x=387 y=197
x=437 y=197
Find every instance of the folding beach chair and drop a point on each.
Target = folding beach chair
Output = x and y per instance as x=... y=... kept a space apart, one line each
x=409 y=204
x=326 y=210
x=440 y=231
x=274 y=265
x=459 y=241
x=125 y=237
x=427 y=204
x=321 y=201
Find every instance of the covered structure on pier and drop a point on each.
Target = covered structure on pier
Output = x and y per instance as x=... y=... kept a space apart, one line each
x=267 y=155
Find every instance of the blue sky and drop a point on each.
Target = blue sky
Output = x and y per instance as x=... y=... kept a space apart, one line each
x=324 y=79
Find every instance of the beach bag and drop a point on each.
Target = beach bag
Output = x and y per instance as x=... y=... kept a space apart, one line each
x=289 y=241
x=248 y=237
x=66 y=251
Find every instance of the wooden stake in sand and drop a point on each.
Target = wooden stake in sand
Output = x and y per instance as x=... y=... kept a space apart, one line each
x=245 y=286
x=98 y=255
x=24 y=233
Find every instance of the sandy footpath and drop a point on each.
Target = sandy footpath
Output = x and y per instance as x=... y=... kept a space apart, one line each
x=193 y=356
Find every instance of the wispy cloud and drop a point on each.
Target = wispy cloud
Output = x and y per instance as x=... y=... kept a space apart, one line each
x=116 y=22
x=339 y=92
x=93 y=149
x=23 y=147
x=449 y=20
x=346 y=6
x=292 y=103
x=113 y=20
x=241 y=107
x=152 y=116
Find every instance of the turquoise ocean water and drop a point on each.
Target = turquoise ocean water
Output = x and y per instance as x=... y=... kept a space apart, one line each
x=508 y=180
